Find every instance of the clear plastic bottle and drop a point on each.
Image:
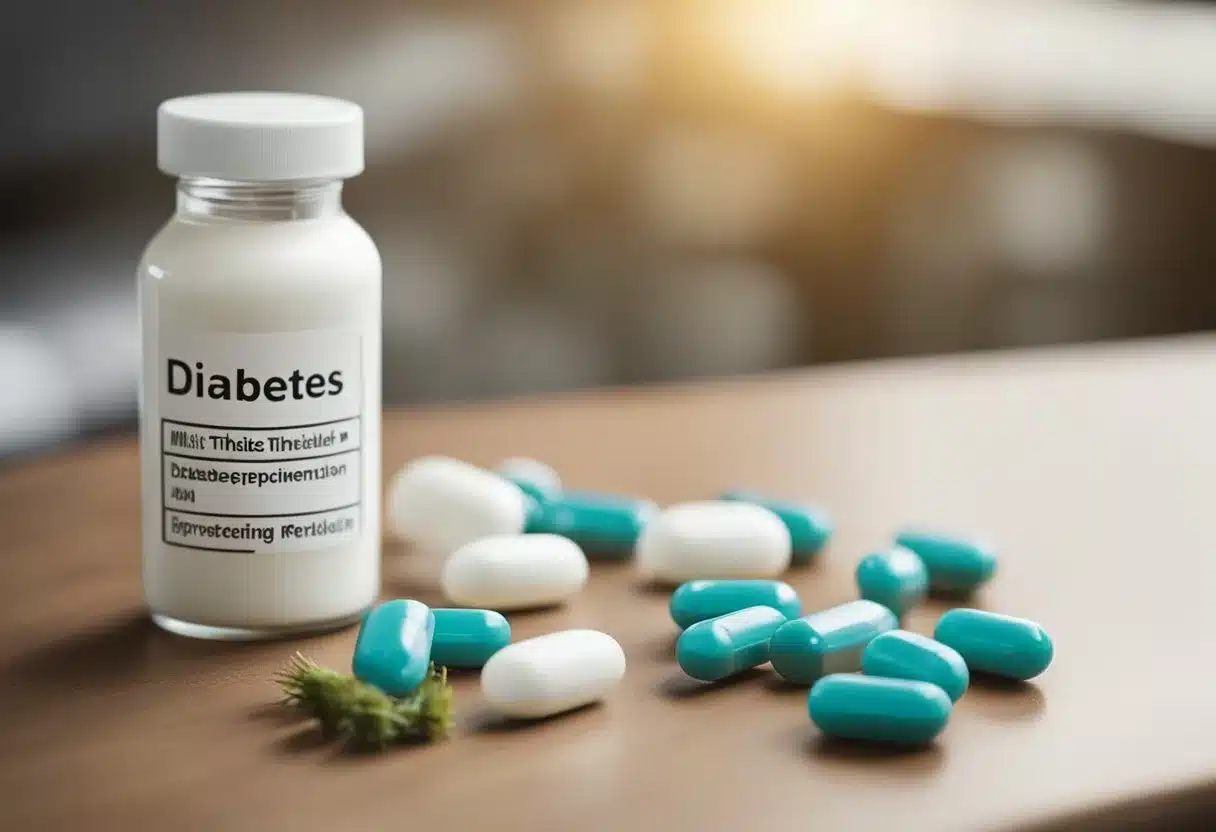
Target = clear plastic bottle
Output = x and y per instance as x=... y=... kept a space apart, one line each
x=260 y=386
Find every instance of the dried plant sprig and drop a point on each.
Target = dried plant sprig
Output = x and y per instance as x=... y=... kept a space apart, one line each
x=363 y=714
x=431 y=705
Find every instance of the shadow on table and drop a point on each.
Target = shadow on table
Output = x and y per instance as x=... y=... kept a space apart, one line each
x=490 y=722
x=129 y=650
x=679 y=686
x=1005 y=700
x=835 y=750
x=112 y=653
x=278 y=713
x=782 y=687
x=307 y=739
x=652 y=589
x=663 y=649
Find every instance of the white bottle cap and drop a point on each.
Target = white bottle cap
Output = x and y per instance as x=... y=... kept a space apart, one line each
x=260 y=137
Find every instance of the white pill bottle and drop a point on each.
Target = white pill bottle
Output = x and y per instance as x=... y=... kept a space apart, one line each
x=260 y=388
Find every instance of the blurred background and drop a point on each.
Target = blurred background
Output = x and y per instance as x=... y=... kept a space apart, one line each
x=577 y=194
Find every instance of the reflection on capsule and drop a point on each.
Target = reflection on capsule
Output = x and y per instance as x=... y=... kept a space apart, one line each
x=955 y=564
x=553 y=673
x=720 y=647
x=702 y=600
x=895 y=578
x=393 y=649
x=467 y=638
x=998 y=644
x=880 y=710
x=830 y=641
x=900 y=654
x=601 y=524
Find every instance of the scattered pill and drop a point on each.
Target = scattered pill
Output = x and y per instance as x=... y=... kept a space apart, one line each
x=720 y=647
x=954 y=564
x=998 y=644
x=713 y=540
x=810 y=527
x=701 y=600
x=393 y=649
x=895 y=578
x=900 y=654
x=467 y=638
x=878 y=709
x=440 y=504
x=553 y=673
x=602 y=524
x=826 y=642
x=512 y=572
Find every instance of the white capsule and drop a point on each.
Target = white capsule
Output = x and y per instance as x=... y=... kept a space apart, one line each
x=514 y=572
x=439 y=504
x=557 y=672
x=533 y=471
x=713 y=540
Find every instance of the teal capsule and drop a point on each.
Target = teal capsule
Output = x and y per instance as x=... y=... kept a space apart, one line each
x=729 y=644
x=827 y=642
x=393 y=650
x=998 y=644
x=702 y=600
x=810 y=527
x=467 y=638
x=601 y=524
x=955 y=564
x=877 y=709
x=895 y=578
x=900 y=654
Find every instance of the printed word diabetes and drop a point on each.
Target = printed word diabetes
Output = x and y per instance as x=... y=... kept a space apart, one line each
x=184 y=381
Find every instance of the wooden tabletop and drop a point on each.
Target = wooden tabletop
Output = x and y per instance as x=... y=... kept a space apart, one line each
x=1094 y=469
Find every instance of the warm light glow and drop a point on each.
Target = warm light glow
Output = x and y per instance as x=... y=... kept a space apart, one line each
x=1134 y=66
x=797 y=46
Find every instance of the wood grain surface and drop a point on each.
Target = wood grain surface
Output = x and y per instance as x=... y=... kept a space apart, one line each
x=1094 y=468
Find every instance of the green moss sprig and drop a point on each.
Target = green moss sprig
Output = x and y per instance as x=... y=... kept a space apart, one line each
x=363 y=715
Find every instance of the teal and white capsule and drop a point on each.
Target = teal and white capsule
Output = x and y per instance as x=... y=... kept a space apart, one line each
x=393 y=649
x=538 y=481
x=897 y=711
x=828 y=642
x=809 y=526
x=601 y=524
x=702 y=600
x=900 y=654
x=467 y=638
x=729 y=644
x=534 y=500
x=1002 y=645
x=955 y=564
x=536 y=478
x=895 y=578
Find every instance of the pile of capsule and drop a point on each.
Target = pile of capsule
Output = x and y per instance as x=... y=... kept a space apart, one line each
x=869 y=679
x=515 y=539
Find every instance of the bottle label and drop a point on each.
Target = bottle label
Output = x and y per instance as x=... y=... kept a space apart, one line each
x=261 y=440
